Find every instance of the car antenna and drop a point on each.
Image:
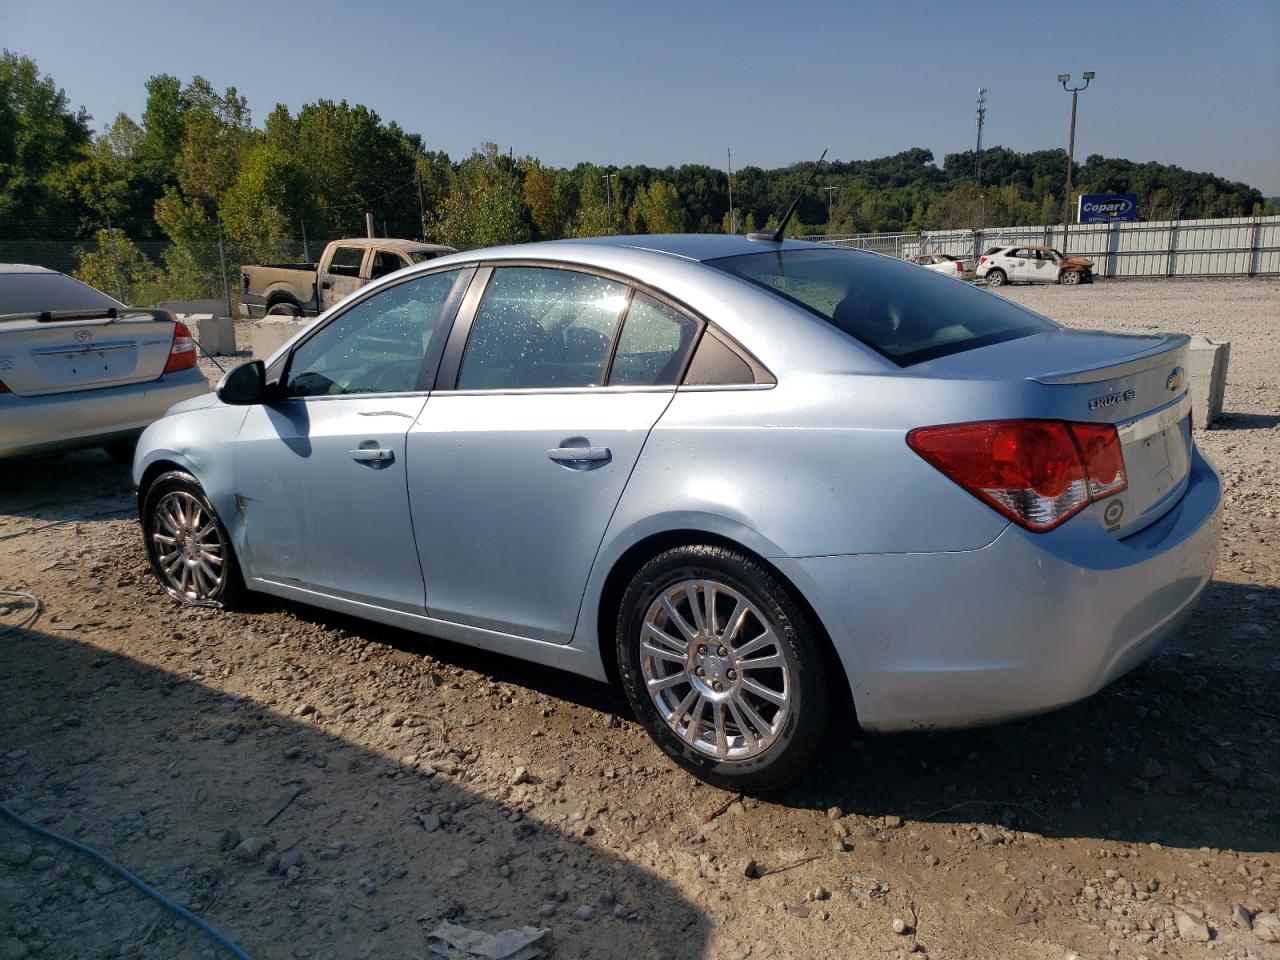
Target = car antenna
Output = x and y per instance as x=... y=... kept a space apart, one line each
x=776 y=235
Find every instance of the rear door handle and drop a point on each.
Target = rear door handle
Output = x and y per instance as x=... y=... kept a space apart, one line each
x=373 y=455
x=578 y=454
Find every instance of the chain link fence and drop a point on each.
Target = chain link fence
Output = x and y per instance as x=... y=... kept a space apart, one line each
x=142 y=271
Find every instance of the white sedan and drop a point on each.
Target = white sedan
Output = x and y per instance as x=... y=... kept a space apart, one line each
x=80 y=369
x=944 y=263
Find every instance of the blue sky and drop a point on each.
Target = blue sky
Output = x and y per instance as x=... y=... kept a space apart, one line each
x=1196 y=84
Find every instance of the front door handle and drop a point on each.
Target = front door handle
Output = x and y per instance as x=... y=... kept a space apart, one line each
x=373 y=455
x=578 y=454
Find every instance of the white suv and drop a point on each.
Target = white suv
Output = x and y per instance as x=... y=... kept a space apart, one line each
x=1032 y=263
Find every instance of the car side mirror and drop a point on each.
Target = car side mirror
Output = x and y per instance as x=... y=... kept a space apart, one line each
x=244 y=385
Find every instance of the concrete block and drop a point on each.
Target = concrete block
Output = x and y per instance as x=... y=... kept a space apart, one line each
x=264 y=337
x=212 y=308
x=1207 y=374
x=217 y=335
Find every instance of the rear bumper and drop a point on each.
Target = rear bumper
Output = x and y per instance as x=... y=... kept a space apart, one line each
x=1026 y=624
x=90 y=418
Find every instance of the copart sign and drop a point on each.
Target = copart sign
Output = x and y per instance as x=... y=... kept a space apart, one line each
x=1103 y=208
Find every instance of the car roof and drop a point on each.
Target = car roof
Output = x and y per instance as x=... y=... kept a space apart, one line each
x=410 y=246
x=23 y=268
x=692 y=246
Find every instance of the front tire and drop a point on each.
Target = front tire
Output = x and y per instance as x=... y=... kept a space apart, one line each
x=187 y=545
x=722 y=667
x=1070 y=278
x=996 y=278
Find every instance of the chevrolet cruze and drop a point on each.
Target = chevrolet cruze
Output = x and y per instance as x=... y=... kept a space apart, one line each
x=741 y=477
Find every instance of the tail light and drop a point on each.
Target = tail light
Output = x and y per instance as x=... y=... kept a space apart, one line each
x=1035 y=472
x=3 y=388
x=959 y=266
x=182 y=355
x=982 y=260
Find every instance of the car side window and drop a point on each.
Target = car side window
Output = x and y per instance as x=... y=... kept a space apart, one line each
x=346 y=261
x=377 y=346
x=385 y=262
x=652 y=347
x=541 y=328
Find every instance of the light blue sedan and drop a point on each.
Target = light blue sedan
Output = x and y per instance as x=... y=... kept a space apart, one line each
x=744 y=478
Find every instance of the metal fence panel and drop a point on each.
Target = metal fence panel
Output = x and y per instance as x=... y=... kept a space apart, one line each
x=1230 y=247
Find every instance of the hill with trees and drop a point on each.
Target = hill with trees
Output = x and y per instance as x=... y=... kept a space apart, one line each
x=195 y=164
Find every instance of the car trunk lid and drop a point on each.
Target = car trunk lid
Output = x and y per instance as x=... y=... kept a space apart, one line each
x=47 y=353
x=1136 y=383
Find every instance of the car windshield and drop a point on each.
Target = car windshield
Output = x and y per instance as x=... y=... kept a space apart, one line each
x=38 y=292
x=906 y=315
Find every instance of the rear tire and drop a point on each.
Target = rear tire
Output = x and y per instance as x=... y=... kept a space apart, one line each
x=284 y=308
x=996 y=278
x=187 y=546
x=733 y=689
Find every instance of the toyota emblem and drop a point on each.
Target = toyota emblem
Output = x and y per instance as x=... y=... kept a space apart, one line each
x=84 y=336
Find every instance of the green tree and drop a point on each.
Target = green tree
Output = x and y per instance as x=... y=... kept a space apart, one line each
x=262 y=209
x=114 y=264
x=483 y=208
x=41 y=138
x=657 y=209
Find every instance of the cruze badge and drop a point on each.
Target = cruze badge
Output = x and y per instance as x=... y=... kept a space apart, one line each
x=1106 y=400
x=1174 y=383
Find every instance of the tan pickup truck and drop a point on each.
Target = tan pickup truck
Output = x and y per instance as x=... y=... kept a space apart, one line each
x=307 y=289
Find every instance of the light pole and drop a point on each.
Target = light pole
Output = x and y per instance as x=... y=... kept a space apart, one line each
x=1064 y=79
x=981 y=117
x=830 y=191
x=608 y=195
x=733 y=226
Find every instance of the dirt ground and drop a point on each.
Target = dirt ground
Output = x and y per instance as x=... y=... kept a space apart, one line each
x=318 y=787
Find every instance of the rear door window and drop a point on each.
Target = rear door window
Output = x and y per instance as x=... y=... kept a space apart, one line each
x=653 y=345
x=346 y=261
x=904 y=314
x=542 y=328
x=385 y=262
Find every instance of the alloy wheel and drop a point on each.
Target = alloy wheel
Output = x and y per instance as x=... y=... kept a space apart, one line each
x=189 y=548
x=714 y=667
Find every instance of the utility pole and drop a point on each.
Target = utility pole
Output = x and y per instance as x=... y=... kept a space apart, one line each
x=306 y=251
x=368 y=224
x=608 y=195
x=982 y=118
x=422 y=207
x=1064 y=79
x=977 y=158
x=511 y=205
x=733 y=226
x=830 y=192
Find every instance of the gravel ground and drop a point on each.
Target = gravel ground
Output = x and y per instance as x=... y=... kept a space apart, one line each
x=321 y=787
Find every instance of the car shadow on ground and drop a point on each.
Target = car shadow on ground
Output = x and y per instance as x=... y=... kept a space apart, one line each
x=207 y=794
x=59 y=487
x=1246 y=421
x=1180 y=752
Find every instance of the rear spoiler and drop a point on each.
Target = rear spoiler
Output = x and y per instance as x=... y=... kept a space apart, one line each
x=111 y=313
x=1134 y=363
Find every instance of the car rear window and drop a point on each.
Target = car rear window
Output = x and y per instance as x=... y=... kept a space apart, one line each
x=905 y=314
x=37 y=292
